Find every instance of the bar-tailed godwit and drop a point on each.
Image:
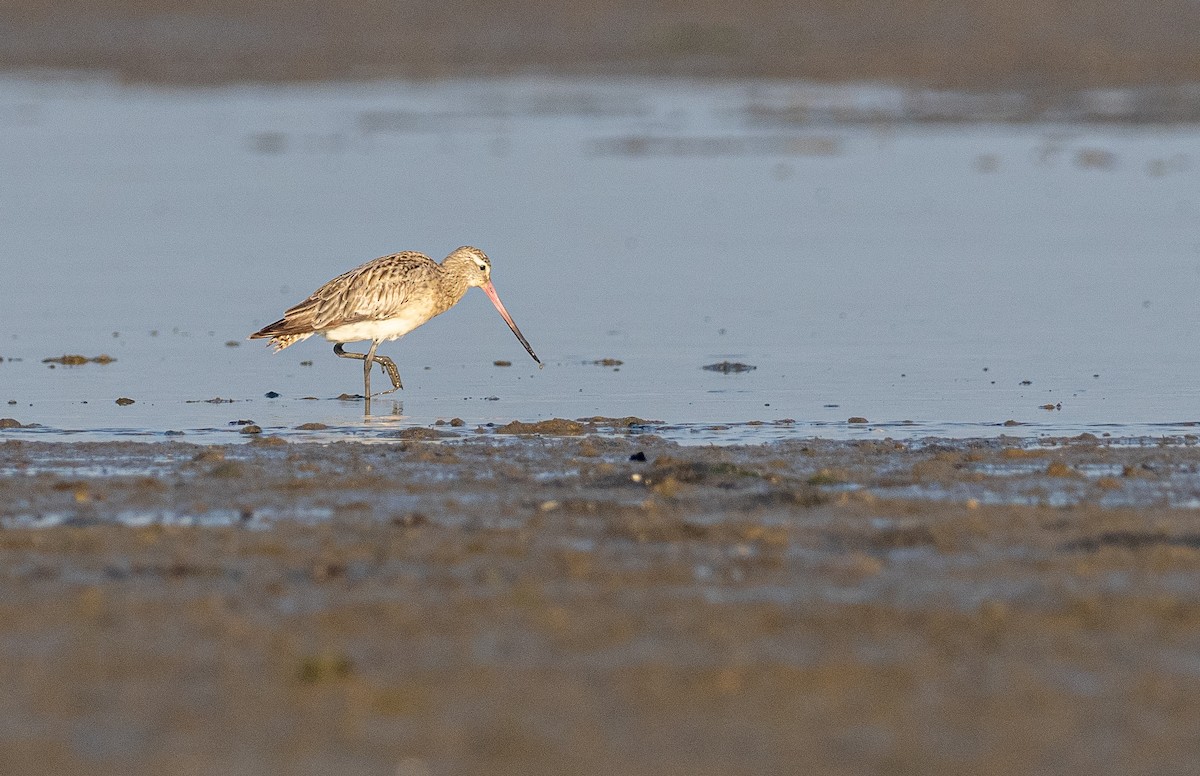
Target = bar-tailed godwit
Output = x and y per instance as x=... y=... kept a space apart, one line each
x=383 y=300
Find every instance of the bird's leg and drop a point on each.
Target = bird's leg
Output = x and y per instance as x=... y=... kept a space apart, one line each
x=385 y=363
x=366 y=358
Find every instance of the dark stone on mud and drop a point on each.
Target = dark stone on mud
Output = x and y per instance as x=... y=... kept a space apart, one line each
x=638 y=456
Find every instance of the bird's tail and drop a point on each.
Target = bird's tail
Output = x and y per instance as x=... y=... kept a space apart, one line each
x=280 y=334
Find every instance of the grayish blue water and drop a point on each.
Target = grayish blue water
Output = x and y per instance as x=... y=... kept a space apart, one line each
x=913 y=275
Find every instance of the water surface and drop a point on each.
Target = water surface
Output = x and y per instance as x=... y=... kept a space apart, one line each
x=932 y=279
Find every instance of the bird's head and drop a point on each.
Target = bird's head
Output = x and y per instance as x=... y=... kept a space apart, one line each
x=471 y=263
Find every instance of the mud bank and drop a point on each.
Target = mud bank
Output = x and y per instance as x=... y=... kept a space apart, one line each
x=979 y=45
x=600 y=604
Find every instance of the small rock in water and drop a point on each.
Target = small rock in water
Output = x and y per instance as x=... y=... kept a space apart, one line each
x=124 y=401
x=857 y=419
x=11 y=423
x=271 y=395
x=251 y=429
x=349 y=397
x=241 y=422
x=609 y=362
x=311 y=427
x=729 y=367
x=501 y=363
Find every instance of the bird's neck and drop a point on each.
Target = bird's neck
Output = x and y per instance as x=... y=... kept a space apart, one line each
x=453 y=286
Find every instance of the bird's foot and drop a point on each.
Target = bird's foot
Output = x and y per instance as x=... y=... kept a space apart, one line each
x=388 y=366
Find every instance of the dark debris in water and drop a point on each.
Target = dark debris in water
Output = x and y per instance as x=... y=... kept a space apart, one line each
x=124 y=401
x=75 y=359
x=729 y=367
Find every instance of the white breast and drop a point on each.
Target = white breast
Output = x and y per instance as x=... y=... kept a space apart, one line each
x=409 y=318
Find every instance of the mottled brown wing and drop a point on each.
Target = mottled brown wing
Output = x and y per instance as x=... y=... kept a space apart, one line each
x=376 y=291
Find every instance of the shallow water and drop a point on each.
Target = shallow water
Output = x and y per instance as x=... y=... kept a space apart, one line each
x=932 y=279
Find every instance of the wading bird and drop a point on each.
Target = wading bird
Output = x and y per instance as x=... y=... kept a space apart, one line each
x=383 y=300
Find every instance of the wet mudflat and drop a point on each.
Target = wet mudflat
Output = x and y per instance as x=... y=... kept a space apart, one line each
x=600 y=604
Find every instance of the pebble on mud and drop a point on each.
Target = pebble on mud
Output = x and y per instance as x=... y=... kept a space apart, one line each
x=729 y=367
x=124 y=401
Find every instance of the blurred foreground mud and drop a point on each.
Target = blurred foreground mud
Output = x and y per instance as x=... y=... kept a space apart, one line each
x=600 y=605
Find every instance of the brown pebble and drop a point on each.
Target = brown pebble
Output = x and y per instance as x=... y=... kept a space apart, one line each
x=502 y=363
x=124 y=401
x=857 y=419
x=311 y=427
x=251 y=428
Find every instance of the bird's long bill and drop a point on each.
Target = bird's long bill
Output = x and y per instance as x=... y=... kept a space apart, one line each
x=490 y=290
